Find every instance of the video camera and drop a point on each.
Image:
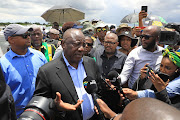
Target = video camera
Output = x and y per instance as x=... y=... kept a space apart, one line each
x=39 y=108
x=170 y=37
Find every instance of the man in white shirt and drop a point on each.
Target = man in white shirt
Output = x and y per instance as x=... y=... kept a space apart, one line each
x=149 y=52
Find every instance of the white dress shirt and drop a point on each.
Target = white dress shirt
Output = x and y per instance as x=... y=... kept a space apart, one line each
x=136 y=59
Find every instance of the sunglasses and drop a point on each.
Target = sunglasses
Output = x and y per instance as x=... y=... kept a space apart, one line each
x=101 y=29
x=89 y=44
x=146 y=36
x=24 y=36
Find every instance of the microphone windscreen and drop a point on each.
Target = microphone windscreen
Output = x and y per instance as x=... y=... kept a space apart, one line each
x=113 y=78
x=112 y=74
x=90 y=85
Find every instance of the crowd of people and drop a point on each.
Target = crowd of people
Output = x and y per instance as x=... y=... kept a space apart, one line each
x=55 y=64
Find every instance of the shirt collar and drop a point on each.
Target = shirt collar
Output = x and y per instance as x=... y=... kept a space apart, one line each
x=13 y=54
x=42 y=47
x=99 y=42
x=104 y=54
x=156 y=51
x=66 y=61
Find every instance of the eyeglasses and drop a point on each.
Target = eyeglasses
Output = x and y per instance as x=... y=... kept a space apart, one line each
x=110 y=43
x=146 y=36
x=24 y=36
x=101 y=29
x=89 y=44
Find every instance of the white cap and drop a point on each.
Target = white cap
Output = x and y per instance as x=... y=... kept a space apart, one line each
x=54 y=31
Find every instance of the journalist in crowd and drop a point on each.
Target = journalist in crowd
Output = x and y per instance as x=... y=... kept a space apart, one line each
x=149 y=52
x=170 y=65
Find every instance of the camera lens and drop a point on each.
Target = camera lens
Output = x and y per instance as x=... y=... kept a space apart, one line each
x=37 y=109
x=32 y=114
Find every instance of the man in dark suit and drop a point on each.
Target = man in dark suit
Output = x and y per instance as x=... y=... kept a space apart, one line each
x=65 y=75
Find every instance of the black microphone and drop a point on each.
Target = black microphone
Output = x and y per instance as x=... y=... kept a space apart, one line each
x=102 y=78
x=113 y=78
x=91 y=88
x=116 y=81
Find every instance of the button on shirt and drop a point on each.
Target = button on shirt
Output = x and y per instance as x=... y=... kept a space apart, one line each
x=78 y=76
x=173 y=88
x=105 y=64
x=136 y=59
x=20 y=73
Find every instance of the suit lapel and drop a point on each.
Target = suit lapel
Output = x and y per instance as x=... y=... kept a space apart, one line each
x=65 y=77
x=87 y=67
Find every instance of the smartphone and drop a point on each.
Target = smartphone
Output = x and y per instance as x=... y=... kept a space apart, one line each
x=163 y=76
x=144 y=8
x=149 y=69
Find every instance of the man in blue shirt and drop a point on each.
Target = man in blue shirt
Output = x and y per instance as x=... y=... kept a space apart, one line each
x=20 y=65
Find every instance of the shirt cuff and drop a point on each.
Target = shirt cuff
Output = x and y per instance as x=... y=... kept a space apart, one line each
x=141 y=94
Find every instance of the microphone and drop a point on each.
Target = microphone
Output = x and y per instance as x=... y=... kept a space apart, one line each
x=102 y=78
x=116 y=81
x=113 y=78
x=91 y=88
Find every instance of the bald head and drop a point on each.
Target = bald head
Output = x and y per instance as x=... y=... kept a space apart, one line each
x=36 y=27
x=149 y=109
x=111 y=36
x=150 y=37
x=72 y=33
x=154 y=30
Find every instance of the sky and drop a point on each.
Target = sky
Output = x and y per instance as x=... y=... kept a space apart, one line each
x=109 y=11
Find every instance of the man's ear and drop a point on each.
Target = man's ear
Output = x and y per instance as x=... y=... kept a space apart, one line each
x=157 y=39
x=63 y=44
x=117 y=43
x=10 y=40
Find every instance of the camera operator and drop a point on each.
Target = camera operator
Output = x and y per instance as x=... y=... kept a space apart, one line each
x=170 y=35
x=170 y=65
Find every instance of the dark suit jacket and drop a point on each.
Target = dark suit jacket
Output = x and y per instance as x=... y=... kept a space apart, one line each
x=54 y=76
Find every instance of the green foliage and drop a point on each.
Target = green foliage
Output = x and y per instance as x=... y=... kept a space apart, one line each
x=23 y=23
x=26 y=23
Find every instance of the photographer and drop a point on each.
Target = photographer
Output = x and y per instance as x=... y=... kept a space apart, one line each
x=170 y=65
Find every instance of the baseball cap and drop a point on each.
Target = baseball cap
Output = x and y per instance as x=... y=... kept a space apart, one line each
x=100 y=24
x=88 y=26
x=17 y=29
x=77 y=26
x=54 y=31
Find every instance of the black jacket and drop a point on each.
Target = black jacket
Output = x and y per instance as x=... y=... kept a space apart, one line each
x=7 y=107
x=54 y=77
